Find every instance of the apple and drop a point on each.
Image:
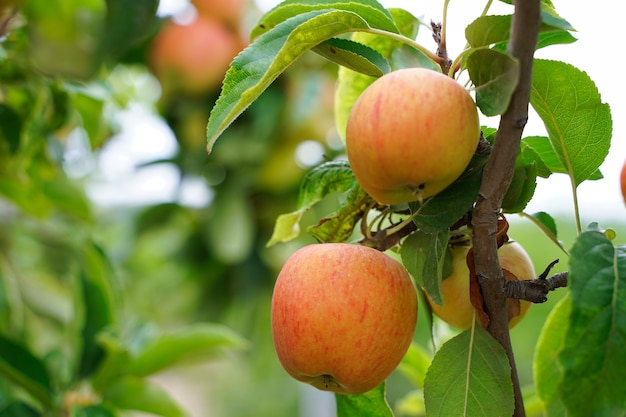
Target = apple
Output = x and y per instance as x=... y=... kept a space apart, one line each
x=343 y=316
x=228 y=11
x=457 y=309
x=622 y=180
x=410 y=134
x=193 y=58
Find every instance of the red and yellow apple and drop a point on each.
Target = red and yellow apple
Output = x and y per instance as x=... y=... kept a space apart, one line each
x=457 y=309
x=193 y=58
x=410 y=134
x=228 y=11
x=343 y=316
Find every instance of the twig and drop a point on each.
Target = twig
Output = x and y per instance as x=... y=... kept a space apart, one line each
x=384 y=239
x=535 y=290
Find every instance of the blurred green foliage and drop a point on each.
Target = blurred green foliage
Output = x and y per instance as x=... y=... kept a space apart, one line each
x=104 y=306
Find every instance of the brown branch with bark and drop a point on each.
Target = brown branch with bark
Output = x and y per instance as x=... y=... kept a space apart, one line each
x=496 y=179
x=536 y=290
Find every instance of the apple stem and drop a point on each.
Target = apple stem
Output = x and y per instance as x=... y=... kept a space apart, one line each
x=366 y=229
x=397 y=227
x=384 y=239
x=576 y=208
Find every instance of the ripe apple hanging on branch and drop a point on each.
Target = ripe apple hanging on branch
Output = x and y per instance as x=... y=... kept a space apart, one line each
x=410 y=134
x=343 y=316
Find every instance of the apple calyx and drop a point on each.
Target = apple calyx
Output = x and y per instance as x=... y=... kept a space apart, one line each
x=326 y=382
x=417 y=191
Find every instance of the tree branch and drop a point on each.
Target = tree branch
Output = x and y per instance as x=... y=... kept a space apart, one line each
x=382 y=240
x=536 y=290
x=497 y=177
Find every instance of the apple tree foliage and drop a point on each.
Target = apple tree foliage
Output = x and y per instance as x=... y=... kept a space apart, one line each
x=68 y=345
x=579 y=363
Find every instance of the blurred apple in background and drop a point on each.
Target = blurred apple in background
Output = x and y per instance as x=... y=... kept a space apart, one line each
x=457 y=309
x=193 y=58
x=229 y=12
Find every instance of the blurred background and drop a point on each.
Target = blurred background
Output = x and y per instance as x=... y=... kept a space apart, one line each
x=110 y=147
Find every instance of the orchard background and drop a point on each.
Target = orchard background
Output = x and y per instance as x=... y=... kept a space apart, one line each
x=134 y=269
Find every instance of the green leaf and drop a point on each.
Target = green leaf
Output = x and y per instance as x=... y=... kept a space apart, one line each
x=142 y=395
x=470 y=375
x=67 y=197
x=115 y=363
x=90 y=108
x=578 y=123
x=231 y=226
x=200 y=341
x=327 y=178
x=490 y=30
x=495 y=76
x=127 y=23
x=530 y=155
x=353 y=55
x=10 y=127
x=287 y=227
x=540 y=150
x=546 y=367
x=61 y=44
x=546 y=222
x=93 y=411
x=21 y=191
x=547 y=225
x=593 y=357
x=370 y=10
x=522 y=187
x=257 y=66
x=560 y=37
x=339 y=226
x=19 y=409
x=23 y=368
x=445 y=208
x=350 y=84
x=96 y=294
x=437 y=266
x=407 y=24
x=415 y=363
x=413 y=254
x=371 y=404
x=550 y=18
